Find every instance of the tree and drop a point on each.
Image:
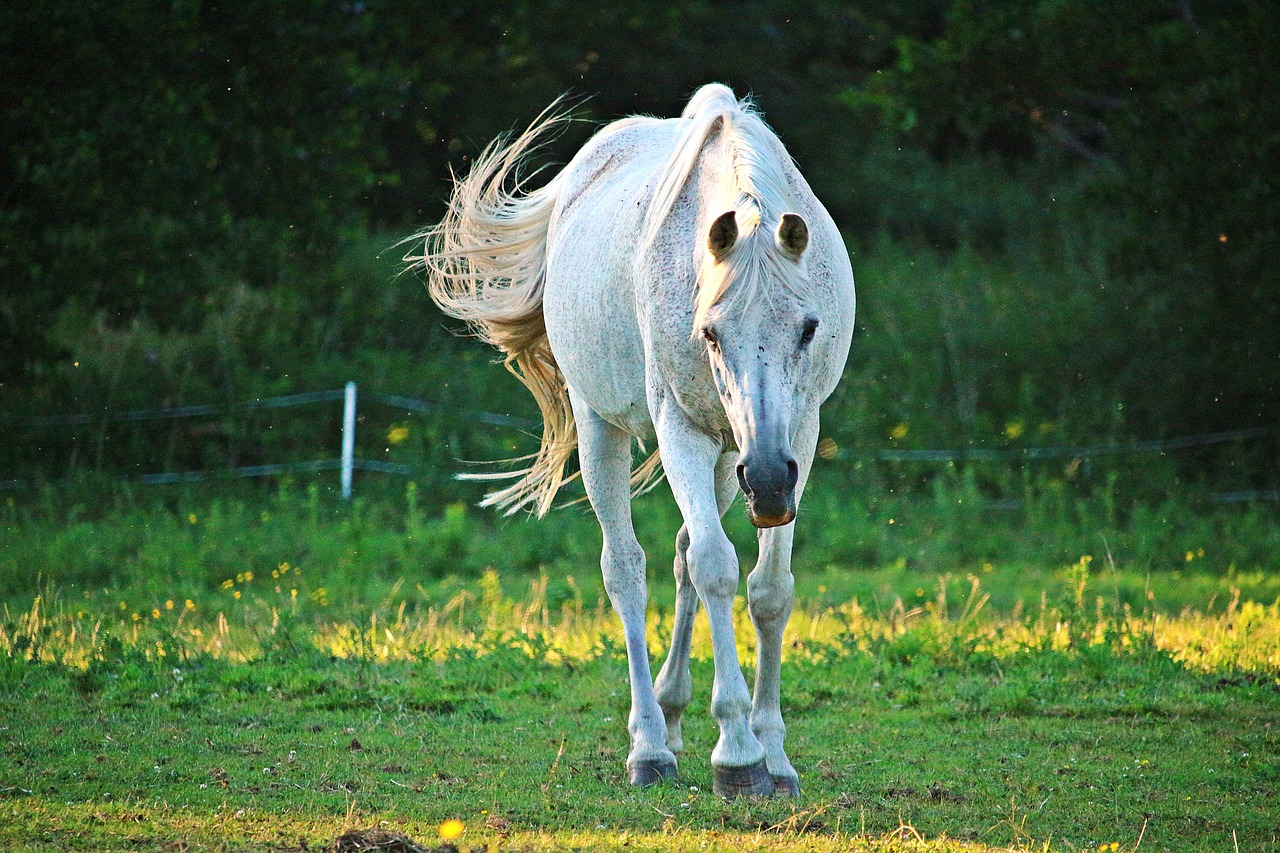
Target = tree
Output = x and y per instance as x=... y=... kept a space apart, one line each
x=1167 y=112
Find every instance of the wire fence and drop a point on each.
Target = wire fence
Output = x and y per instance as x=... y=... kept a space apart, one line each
x=1132 y=448
x=347 y=462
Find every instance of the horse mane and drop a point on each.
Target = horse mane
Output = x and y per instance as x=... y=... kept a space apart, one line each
x=754 y=182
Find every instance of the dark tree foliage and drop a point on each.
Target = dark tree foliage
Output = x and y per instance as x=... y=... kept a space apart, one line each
x=154 y=152
x=1167 y=110
x=187 y=166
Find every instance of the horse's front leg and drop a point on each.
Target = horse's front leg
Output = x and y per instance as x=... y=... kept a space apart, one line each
x=689 y=458
x=770 y=593
x=604 y=453
x=674 y=685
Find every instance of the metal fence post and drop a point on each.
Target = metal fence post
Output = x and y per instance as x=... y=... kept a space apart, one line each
x=348 y=438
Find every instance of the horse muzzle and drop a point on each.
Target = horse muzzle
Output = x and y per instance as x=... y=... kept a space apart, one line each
x=770 y=488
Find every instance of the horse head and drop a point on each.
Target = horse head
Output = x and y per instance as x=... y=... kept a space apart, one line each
x=760 y=340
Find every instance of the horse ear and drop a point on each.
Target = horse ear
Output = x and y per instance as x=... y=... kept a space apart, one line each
x=723 y=234
x=793 y=235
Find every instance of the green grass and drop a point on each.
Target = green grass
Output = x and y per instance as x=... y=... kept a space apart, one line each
x=1039 y=702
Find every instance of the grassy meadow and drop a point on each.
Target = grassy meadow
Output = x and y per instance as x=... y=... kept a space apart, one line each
x=268 y=670
x=1078 y=653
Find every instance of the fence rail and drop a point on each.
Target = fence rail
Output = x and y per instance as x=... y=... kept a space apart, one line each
x=175 y=412
x=1132 y=448
x=347 y=463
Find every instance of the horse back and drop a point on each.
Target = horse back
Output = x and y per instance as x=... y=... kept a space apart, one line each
x=591 y=296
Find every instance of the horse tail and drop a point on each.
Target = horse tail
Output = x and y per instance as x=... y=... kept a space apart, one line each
x=486 y=263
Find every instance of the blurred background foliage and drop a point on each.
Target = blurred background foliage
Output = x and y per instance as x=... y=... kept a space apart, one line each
x=1063 y=222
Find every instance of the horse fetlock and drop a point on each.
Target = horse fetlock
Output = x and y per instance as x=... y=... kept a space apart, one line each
x=737 y=747
x=673 y=713
x=675 y=738
x=730 y=705
x=768 y=724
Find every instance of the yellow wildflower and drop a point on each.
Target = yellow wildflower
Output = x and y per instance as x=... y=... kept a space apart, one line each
x=397 y=434
x=451 y=829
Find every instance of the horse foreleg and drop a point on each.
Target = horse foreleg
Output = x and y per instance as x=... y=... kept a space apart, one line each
x=770 y=593
x=604 y=453
x=674 y=685
x=689 y=458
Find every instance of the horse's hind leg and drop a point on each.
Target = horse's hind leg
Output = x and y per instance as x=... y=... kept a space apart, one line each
x=604 y=453
x=674 y=685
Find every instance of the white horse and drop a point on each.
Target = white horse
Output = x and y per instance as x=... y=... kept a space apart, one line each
x=677 y=281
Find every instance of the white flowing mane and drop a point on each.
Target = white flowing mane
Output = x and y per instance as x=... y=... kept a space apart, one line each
x=755 y=184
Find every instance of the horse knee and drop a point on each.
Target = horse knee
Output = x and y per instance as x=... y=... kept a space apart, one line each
x=713 y=567
x=769 y=597
x=623 y=568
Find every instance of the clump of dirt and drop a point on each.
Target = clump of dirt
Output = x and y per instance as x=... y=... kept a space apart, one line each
x=372 y=840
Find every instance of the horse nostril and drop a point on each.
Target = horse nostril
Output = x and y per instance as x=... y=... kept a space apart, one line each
x=793 y=474
x=742 y=479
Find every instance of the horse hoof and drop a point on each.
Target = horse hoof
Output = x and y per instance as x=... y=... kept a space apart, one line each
x=786 y=786
x=750 y=781
x=651 y=772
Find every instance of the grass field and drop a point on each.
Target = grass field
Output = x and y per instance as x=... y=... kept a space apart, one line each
x=270 y=671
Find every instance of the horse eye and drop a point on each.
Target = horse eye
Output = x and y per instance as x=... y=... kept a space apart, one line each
x=712 y=339
x=810 y=329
